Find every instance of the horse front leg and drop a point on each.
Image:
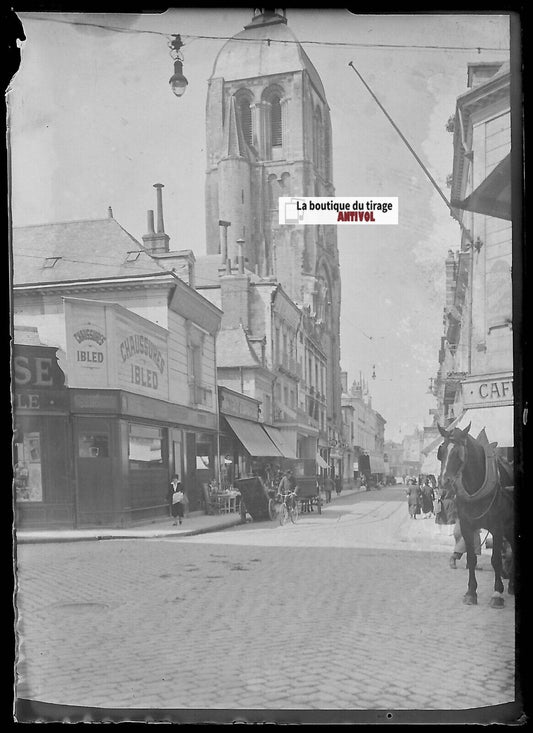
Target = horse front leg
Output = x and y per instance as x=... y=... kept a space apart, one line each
x=497 y=600
x=470 y=597
x=510 y=562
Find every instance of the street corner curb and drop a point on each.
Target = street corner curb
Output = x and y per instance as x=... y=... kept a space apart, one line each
x=205 y=530
x=154 y=535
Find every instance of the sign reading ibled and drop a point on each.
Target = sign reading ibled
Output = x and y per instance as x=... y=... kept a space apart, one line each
x=142 y=358
x=326 y=210
x=111 y=347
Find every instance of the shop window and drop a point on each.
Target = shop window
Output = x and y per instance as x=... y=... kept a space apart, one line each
x=93 y=445
x=28 y=472
x=145 y=446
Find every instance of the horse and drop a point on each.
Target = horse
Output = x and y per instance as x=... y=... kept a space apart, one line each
x=476 y=477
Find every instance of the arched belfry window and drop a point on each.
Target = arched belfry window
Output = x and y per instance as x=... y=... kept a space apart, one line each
x=275 y=122
x=273 y=111
x=244 y=111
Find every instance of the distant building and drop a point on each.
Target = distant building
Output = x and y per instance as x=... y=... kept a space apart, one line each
x=364 y=431
x=136 y=345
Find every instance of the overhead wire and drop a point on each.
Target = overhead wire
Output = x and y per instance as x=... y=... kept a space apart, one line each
x=269 y=41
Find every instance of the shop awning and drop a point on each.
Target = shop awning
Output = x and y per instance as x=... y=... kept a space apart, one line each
x=437 y=441
x=320 y=462
x=493 y=195
x=277 y=437
x=377 y=464
x=497 y=421
x=253 y=437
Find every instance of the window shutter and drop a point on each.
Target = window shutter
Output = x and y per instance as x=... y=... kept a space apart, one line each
x=275 y=122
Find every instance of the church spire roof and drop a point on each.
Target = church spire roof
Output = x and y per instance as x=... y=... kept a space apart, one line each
x=234 y=143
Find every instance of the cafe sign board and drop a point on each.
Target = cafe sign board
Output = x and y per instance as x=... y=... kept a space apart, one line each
x=111 y=347
x=488 y=391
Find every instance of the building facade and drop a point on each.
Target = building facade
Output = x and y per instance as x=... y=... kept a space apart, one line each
x=475 y=379
x=364 y=439
x=136 y=344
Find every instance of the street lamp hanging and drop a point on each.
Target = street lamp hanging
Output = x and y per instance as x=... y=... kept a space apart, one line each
x=178 y=83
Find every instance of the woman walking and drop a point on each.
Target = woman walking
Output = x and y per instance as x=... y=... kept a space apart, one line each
x=413 y=500
x=428 y=496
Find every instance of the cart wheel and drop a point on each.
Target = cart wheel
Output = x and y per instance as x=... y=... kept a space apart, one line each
x=295 y=513
x=283 y=514
x=272 y=513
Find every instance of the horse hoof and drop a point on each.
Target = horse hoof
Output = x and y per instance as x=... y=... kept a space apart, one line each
x=470 y=599
x=497 y=602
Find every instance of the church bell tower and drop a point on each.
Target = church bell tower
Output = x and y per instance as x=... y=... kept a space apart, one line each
x=268 y=136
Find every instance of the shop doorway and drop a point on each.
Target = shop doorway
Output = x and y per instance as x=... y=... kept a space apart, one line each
x=92 y=446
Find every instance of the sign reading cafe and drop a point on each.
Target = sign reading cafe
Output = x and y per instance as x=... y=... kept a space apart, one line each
x=111 y=347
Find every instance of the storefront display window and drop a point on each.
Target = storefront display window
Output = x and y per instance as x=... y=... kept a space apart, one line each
x=145 y=446
x=28 y=470
x=204 y=458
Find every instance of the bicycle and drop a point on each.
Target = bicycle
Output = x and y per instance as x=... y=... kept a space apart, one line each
x=289 y=508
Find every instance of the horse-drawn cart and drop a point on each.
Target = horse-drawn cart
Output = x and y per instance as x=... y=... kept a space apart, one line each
x=255 y=499
x=308 y=493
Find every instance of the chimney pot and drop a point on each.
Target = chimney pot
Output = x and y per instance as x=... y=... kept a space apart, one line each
x=159 y=196
x=150 y=221
x=109 y=212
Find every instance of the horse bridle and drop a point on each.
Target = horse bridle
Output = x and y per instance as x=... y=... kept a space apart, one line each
x=453 y=479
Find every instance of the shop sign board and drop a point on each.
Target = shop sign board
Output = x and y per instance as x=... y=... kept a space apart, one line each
x=238 y=405
x=87 y=344
x=488 y=391
x=38 y=380
x=141 y=356
x=109 y=347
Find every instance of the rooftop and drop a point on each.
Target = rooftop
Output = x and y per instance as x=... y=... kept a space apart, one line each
x=78 y=250
x=248 y=54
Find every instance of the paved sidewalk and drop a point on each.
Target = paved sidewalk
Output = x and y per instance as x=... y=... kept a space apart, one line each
x=159 y=527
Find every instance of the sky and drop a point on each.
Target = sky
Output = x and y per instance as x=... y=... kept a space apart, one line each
x=93 y=124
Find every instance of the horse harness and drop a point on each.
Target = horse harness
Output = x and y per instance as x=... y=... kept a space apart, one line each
x=492 y=483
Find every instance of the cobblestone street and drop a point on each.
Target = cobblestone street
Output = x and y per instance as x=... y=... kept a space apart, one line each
x=353 y=609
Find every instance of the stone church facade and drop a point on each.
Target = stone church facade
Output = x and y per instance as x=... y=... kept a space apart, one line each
x=268 y=136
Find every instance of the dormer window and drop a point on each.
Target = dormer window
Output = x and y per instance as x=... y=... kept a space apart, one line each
x=50 y=262
x=133 y=256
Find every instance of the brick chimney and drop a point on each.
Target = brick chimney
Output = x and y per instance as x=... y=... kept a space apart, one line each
x=156 y=241
x=235 y=300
